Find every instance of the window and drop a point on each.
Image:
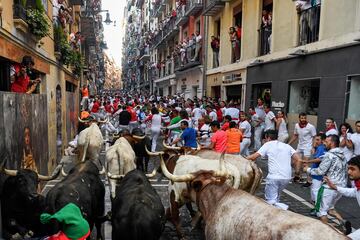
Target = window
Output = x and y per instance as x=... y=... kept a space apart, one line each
x=70 y=87
x=217 y=30
x=353 y=106
x=309 y=22
x=197 y=26
x=263 y=91
x=304 y=96
x=45 y=4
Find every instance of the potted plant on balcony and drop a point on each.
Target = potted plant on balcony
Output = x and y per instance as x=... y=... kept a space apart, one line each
x=36 y=19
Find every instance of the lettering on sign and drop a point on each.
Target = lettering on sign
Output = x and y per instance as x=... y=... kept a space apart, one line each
x=277 y=104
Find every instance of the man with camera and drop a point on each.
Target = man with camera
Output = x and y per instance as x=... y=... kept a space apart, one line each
x=21 y=82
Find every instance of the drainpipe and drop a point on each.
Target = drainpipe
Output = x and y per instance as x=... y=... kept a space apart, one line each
x=206 y=32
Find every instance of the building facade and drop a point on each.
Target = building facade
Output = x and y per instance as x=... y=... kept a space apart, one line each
x=38 y=126
x=289 y=54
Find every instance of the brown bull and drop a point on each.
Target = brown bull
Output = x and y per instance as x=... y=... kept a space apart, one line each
x=235 y=214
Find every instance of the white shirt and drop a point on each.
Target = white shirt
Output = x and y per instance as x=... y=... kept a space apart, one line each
x=245 y=125
x=269 y=121
x=331 y=132
x=156 y=122
x=198 y=38
x=197 y=113
x=355 y=138
x=213 y=116
x=305 y=136
x=233 y=112
x=282 y=128
x=348 y=153
x=305 y=4
x=260 y=112
x=188 y=110
x=350 y=192
x=279 y=159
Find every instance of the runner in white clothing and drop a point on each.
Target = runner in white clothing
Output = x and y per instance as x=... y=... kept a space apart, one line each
x=305 y=133
x=331 y=127
x=233 y=113
x=155 y=127
x=245 y=127
x=280 y=157
x=269 y=119
x=283 y=134
x=355 y=139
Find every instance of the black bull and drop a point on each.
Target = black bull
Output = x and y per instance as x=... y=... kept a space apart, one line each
x=22 y=205
x=84 y=188
x=137 y=211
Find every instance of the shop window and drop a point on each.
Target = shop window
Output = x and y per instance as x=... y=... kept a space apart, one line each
x=353 y=106
x=304 y=97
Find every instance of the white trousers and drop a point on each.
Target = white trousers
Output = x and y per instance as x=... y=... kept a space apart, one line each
x=328 y=201
x=155 y=132
x=355 y=235
x=244 y=147
x=273 y=189
x=315 y=186
x=257 y=137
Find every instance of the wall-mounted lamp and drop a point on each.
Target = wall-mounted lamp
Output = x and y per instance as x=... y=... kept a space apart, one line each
x=299 y=52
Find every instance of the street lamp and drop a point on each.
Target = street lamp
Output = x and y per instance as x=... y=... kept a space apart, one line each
x=107 y=20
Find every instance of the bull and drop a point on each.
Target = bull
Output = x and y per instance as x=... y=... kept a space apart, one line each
x=235 y=214
x=121 y=158
x=250 y=173
x=83 y=187
x=22 y=205
x=183 y=164
x=90 y=142
x=137 y=211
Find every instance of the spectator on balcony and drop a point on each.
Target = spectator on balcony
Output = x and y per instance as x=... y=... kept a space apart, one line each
x=198 y=41
x=20 y=78
x=183 y=52
x=173 y=13
x=266 y=30
x=309 y=11
x=215 y=46
x=234 y=44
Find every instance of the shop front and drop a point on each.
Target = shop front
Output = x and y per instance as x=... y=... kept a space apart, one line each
x=324 y=84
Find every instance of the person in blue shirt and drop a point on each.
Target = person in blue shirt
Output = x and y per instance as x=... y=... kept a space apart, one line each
x=188 y=135
x=319 y=150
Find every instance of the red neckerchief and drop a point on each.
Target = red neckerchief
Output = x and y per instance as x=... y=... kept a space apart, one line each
x=200 y=125
x=303 y=125
x=357 y=184
x=332 y=126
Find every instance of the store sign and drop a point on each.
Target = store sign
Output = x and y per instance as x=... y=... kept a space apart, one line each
x=277 y=104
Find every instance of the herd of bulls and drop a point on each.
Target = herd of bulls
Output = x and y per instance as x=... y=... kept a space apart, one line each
x=221 y=186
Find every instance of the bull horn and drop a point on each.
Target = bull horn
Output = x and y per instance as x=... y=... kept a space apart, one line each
x=174 y=178
x=9 y=172
x=103 y=171
x=53 y=176
x=152 y=174
x=63 y=173
x=222 y=171
x=170 y=147
x=138 y=137
x=152 y=153
x=82 y=121
x=115 y=176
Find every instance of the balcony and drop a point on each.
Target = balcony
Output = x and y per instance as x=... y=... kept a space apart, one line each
x=76 y=2
x=170 y=29
x=188 y=59
x=181 y=17
x=309 y=25
x=144 y=54
x=157 y=39
x=212 y=7
x=265 y=40
x=159 y=7
x=194 y=7
x=20 y=17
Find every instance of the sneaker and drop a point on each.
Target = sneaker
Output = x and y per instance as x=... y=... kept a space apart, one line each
x=296 y=179
x=313 y=212
x=307 y=184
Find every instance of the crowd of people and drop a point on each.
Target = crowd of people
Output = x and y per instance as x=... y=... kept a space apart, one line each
x=209 y=123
